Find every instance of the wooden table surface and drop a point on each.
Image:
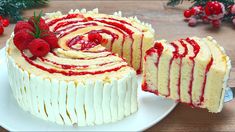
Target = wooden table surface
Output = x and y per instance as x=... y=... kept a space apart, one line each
x=168 y=23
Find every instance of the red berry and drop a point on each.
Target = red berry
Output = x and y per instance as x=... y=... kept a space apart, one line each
x=5 y=22
x=209 y=8
x=22 y=39
x=200 y=8
x=187 y=13
x=232 y=9
x=95 y=37
x=51 y=39
x=217 y=8
x=234 y=21
x=192 y=22
x=213 y=8
x=196 y=10
x=23 y=25
x=205 y=19
x=193 y=11
x=1 y=17
x=104 y=41
x=216 y=23
x=41 y=24
x=31 y=20
x=1 y=30
x=39 y=47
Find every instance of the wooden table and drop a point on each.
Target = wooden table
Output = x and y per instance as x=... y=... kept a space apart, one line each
x=168 y=23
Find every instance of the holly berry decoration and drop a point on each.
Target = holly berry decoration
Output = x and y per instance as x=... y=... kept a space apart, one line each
x=192 y=22
x=214 y=8
x=34 y=35
x=232 y=9
x=1 y=30
x=234 y=21
x=3 y=23
x=213 y=12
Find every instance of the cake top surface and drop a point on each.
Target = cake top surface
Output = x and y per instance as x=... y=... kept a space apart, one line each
x=80 y=54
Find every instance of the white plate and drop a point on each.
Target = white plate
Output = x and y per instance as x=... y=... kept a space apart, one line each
x=152 y=109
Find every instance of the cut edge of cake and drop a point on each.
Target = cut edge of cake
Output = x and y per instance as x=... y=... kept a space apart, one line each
x=201 y=101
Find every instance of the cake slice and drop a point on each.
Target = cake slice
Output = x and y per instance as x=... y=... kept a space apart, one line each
x=192 y=70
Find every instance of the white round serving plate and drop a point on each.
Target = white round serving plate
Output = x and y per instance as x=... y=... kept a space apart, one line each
x=151 y=110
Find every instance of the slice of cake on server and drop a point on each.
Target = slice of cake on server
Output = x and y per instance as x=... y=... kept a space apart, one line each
x=192 y=70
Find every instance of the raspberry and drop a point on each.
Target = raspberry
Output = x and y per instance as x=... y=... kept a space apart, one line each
x=39 y=47
x=22 y=38
x=41 y=24
x=23 y=25
x=95 y=37
x=51 y=39
x=31 y=20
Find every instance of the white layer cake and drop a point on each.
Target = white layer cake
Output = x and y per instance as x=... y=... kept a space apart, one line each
x=82 y=87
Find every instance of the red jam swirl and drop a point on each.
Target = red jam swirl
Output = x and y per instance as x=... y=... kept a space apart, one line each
x=116 y=24
x=77 y=25
x=147 y=89
x=69 y=16
x=63 y=32
x=204 y=81
x=78 y=21
x=158 y=48
x=66 y=66
x=121 y=21
x=70 y=73
x=90 y=58
x=125 y=29
x=63 y=24
x=196 y=49
x=175 y=56
x=141 y=54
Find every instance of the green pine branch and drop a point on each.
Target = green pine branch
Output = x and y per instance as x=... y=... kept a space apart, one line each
x=12 y=8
